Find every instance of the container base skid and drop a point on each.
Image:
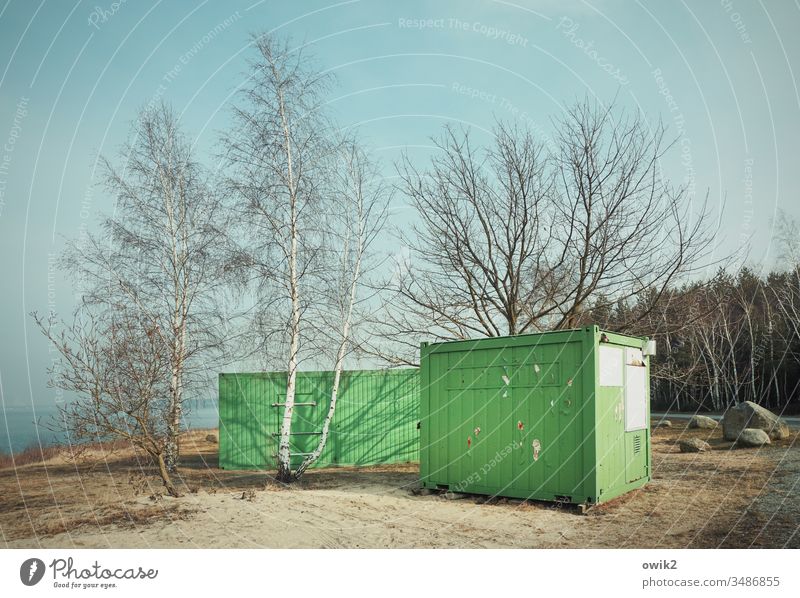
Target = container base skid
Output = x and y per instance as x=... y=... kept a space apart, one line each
x=543 y=496
x=583 y=503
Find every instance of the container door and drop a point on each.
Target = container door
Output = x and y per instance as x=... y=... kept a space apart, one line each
x=547 y=426
x=635 y=415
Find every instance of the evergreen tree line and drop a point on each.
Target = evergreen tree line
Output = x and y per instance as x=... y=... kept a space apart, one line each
x=732 y=338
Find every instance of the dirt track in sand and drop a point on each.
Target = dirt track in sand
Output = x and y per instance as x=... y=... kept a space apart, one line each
x=723 y=498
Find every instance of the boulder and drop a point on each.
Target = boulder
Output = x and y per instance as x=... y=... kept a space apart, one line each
x=749 y=415
x=701 y=421
x=211 y=438
x=664 y=423
x=752 y=437
x=694 y=445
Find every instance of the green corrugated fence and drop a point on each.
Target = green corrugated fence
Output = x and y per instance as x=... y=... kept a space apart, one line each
x=375 y=421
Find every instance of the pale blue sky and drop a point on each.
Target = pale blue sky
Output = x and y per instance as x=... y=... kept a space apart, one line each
x=73 y=75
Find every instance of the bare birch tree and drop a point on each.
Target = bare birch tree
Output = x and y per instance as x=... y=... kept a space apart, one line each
x=161 y=253
x=356 y=214
x=279 y=157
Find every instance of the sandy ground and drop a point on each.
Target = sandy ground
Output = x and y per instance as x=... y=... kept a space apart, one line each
x=722 y=498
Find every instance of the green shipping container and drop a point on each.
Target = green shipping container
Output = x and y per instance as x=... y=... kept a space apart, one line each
x=557 y=416
x=375 y=422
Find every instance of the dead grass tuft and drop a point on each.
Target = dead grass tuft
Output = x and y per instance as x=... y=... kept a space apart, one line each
x=112 y=516
x=32 y=454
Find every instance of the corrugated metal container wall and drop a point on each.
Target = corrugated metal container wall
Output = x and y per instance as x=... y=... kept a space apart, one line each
x=375 y=421
x=558 y=416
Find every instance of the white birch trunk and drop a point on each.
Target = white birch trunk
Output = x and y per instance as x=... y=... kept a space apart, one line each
x=172 y=452
x=323 y=439
x=751 y=335
x=284 y=449
x=176 y=216
x=346 y=324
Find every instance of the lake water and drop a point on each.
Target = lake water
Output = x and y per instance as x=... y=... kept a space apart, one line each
x=21 y=427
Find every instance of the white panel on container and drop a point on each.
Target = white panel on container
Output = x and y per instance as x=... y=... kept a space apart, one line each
x=633 y=356
x=610 y=366
x=635 y=398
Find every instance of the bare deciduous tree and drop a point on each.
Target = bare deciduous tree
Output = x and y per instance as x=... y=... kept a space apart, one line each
x=161 y=254
x=522 y=237
x=355 y=216
x=114 y=362
x=310 y=204
x=624 y=229
x=279 y=156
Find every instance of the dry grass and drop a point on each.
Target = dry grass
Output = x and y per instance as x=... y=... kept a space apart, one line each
x=125 y=516
x=44 y=492
x=32 y=454
x=36 y=454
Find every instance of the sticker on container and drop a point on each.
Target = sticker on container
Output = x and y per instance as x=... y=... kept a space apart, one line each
x=477 y=431
x=520 y=425
x=569 y=382
x=506 y=380
x=469 y=441
x=536 y=368
x=536 y=446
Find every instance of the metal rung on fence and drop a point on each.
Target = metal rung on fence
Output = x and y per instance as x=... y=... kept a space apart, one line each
x=295 y=454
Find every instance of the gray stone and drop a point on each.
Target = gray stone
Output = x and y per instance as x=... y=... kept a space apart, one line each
x=752 y=437
x=703 y=422
x=664 y=423
x=455 y=495
x=749 y=415
x=694 y=445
